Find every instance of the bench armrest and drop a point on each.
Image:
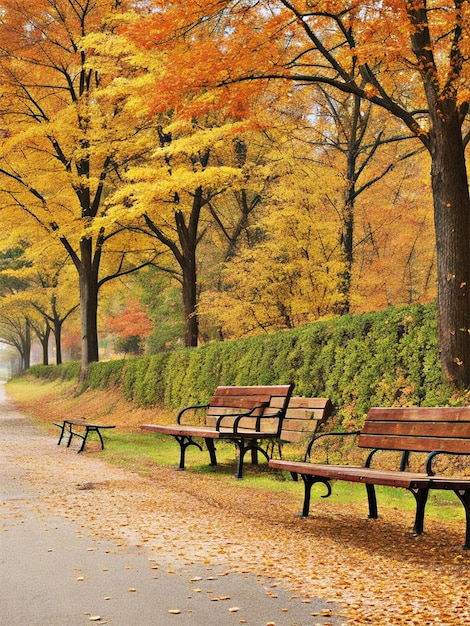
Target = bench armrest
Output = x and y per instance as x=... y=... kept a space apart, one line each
x=432 y=456
x=329 y=434
x=189 y=408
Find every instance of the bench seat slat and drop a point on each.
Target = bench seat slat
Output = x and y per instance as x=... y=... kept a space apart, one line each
x=269 y=391
x=235 y=410
x=239 y=402
x=201 y=431
x=416 y=414
x=357 y=474
x=300 y=402
x=175 y=429
x=88 y=424
x=454 y=483
x=267 y=425
x=414 y=444
x=441 y=430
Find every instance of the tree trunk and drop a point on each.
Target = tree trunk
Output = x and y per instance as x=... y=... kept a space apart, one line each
x=26 y=347
x=45 y=345
x=452 y=224
x=188 y=237
x=191 y=321
x=347 y=238
x=58 y=341
x=88 y=281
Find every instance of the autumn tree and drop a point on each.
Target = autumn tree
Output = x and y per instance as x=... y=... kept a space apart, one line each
x=61 y=145
x=15 y=315
x=369 y=146
x=54 y=296
x=15 y=331
x=374 y=53
x=131 y=326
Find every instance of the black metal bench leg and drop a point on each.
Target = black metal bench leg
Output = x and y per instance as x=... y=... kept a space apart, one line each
x=62 y=428
x=84 y=439
x=421 y=497
x=242 y=450
x=211 y=448
x=185 y=441
x=309 y=481
x=70 y=436
x=464 y=497
x=101 y=438
x=372 y=499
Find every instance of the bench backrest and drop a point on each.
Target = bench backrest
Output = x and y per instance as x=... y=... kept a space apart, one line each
x=270 y=399
x=417 y=429
x=303 y=417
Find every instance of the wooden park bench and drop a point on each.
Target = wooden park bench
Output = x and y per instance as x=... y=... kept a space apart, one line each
x=304 y=416
x=433 y=431
x=70 y=428
x=242 y=415
x=249 y=417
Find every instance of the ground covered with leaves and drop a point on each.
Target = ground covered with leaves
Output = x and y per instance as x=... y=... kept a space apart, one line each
x=375 y=569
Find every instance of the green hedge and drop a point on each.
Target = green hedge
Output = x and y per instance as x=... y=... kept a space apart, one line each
x=384 y=358
x=65 y=371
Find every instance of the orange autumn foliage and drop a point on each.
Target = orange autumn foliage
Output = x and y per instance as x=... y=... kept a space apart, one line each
x=133 y=321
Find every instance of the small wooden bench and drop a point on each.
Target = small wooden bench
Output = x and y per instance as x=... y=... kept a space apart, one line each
x=242 y=415
x=69 y=427
x=303 y=418
x=434 y=431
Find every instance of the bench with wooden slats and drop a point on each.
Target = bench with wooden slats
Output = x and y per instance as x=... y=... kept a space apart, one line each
x=243 y=415
x=434 y=431
x=70 y=429
x=303 y=418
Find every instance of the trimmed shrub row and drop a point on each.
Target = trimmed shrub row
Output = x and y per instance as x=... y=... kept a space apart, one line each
x=384 y=358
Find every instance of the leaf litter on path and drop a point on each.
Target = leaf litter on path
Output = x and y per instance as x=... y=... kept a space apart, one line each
x=375 y=568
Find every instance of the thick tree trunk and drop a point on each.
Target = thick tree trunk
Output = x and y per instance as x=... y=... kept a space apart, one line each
x=452 y=223
x=191 y=321
x=88 y=279
x=188 y=237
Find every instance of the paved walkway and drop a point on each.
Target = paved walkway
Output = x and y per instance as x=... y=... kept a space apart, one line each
x=66 y=560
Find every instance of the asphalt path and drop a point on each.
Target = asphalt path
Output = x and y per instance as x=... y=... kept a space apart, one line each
x=53 y=572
